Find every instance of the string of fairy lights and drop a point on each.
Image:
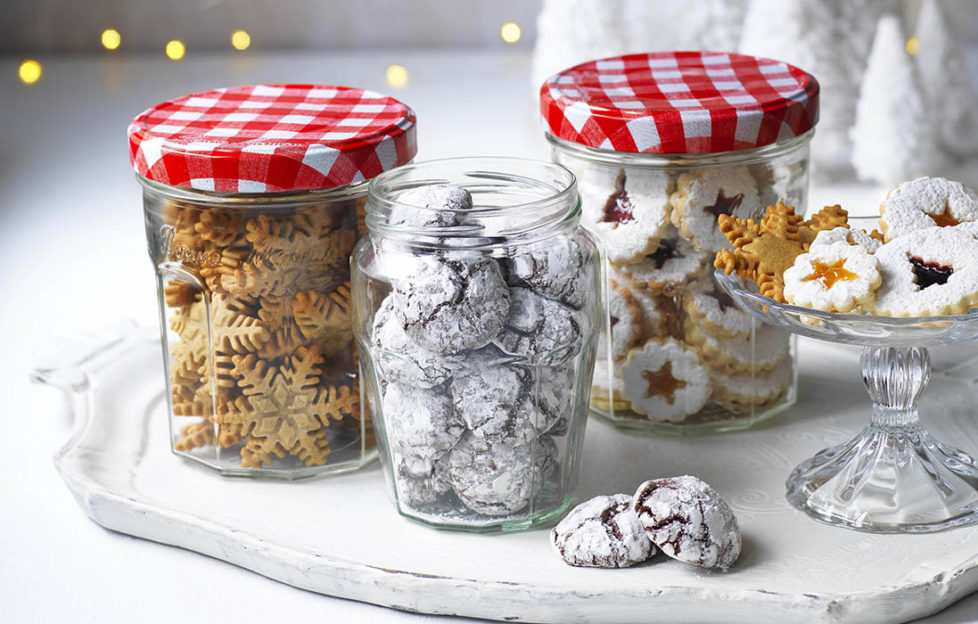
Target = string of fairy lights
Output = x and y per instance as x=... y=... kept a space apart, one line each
x=31 y=70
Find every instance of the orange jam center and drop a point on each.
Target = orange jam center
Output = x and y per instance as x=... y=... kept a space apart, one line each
x=945 y=219
x=662 y=383
x=830 y=273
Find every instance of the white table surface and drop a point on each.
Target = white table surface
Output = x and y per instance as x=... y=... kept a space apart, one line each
x=74 y=258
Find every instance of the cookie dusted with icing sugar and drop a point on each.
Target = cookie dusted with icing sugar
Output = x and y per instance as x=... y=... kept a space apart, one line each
x=420 y=422
x=689 y=521
x=625 y=322
x=399 y=359
x=627 y=209
x=709 y=306
x=926 y=202
x=541 y=330
x=603 y=532
x=870 y=241
x=433 y=205
x=669 y=269
x=744 y=393
x=738 y=355
x=927 y=273
x=835 y=278
x=702 y=196
x=665 y=381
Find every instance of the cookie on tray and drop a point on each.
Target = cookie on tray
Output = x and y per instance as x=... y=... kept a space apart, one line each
x=627 y=209
x=744 y=393
x=926 y=202
x=603 y=532
x=930 y=272
x=702 y=196
x=835 y=278
x=738 y=355
x=669 y=269
x=870 y=241
x=664 y=380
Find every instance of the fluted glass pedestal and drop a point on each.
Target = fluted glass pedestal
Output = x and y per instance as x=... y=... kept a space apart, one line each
x=893 y=477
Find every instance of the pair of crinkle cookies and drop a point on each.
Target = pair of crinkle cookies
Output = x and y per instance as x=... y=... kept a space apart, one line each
x=473 y=353
x=681 y=516
x=631 y=210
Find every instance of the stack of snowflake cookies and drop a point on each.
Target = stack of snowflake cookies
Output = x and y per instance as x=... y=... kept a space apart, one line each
x=477 y=358
x=923 y=261
x=263 y=348
x=677 y=348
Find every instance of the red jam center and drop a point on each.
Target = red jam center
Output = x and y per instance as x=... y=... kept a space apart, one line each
x=930 y=273
x=618 y=208
x=724 y=205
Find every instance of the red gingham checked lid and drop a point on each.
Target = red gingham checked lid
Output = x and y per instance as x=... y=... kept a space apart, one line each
x=272 y=138
x=679 y=103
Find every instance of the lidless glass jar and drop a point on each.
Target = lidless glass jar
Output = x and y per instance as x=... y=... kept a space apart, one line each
x=254 y=199
x=477 y=322
x=662 y=145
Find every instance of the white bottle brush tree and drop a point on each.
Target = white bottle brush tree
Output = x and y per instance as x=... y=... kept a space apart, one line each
x=950 y=98
x=574 y=31
x=893 y=137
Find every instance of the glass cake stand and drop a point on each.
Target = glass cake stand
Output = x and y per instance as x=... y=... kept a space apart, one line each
x=893 y=477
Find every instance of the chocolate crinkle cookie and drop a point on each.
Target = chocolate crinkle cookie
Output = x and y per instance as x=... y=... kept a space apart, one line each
x=421 y=422
x=401 y=359
x=449 y=305
x=496 y=478
x=689 y=521
x=488 y=394
x=421 y=482
x=541 y=330
x=434 y=205
x=603 y=532
x=558 y=268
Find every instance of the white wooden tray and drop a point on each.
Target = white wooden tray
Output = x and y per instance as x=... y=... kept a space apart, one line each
x=340 y=535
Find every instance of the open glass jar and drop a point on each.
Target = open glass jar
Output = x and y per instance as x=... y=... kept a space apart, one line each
x=253 y=200
x=477 y=321
x=662 y=145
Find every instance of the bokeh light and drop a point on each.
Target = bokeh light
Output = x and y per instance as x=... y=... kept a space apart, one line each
x=29 y=71
x=175 y=49
x=510 y=32
x=397 y=76
x=912 y=45
x=240 y=40
x=111 y=39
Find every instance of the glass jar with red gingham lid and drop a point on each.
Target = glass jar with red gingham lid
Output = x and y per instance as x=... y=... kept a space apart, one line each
x=663 y=144
x=253 y=200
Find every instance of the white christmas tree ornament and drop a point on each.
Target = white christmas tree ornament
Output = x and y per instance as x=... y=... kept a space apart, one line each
x=951 y=100
x=893 y=137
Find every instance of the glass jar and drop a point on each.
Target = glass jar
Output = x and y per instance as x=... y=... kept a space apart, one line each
x=477 y=328
x=662 y=145
x=253 y=270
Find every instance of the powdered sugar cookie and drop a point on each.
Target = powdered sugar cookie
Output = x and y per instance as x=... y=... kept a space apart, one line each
x=607 y=391
x=433 y=205
x=627 y=210
x=870 y=241
x=743 y=393
x=715 y=311
x=603 y=532
x=559 y=267
x=926 y=202
x=702 y=196
x=665 y=381
x=737 y=355
x=541 y=330
x=668 y=269
x=626 y=323
x=836 y=278
x=930 y=272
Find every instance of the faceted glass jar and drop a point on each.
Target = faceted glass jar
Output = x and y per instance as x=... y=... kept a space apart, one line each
x=477 y=331
x=676 y=354
x=255 y=312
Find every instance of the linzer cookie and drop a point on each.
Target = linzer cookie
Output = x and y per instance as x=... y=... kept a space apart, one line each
x=665 y=381
x=702 y=197
x=836 y=278
x=926 y=202
x=767 y=349
x=745 y=392
x=669 y=269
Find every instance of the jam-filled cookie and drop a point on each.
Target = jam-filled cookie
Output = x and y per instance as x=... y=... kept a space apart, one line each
x=745 y=393
x=930 y=272
x=702 y=196
x=715 y=311
x=835 y=278
x=870 y=241
x=665 y=381
x=669 y=269
x=926 y=202
x=625 y=322
x=627 y=209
